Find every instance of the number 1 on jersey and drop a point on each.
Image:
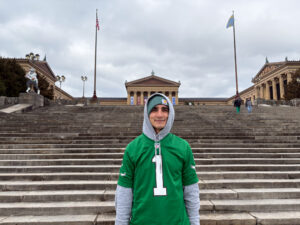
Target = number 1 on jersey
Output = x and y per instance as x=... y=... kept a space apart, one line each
x=159 y=190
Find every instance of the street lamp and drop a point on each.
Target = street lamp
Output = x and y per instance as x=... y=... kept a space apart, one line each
x=60 y=79
x=84 y=79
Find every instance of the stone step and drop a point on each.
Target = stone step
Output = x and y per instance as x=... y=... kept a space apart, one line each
x=51 y=176
x=122 y=145
x=244 y=150
x=120 y=156
x=207 y=175
x=62 y=176
x=249 y=183
x=64 y=156
x=109 y=195
x=109 y=219
x=103 y=207
x=115 y=168
x=114 y=161
x=254 y=218
x=61 y=208
x=248 y=167
x=56 y=208
x=62 y=150
x=204 y=151
x=259 y=205
x=261 y=155
x=51 y=162
x=234 y=161
x=57 y=196
x=111 y=184
x=66 y=168
x=250 y=193
x=57 y=185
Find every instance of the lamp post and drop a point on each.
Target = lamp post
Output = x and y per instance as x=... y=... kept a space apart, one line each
x=60 y=79
x=84 y=79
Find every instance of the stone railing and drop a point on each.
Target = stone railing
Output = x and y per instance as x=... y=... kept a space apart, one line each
x=293 y=102
x=4 y=101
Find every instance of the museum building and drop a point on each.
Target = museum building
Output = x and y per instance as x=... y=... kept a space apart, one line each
x=268 y=84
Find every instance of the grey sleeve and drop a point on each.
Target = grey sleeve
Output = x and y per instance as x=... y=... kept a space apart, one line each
x=123 y=204
x=192 y=202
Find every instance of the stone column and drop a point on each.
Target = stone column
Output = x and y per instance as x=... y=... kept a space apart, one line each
x=274 y=89
x=142 y=97
x=261 y=91
x=134 y=98
x=128 y=98
x=289 y=77
x=256 y=92
x=268 y=90
x=281 y=85
x=176 y=95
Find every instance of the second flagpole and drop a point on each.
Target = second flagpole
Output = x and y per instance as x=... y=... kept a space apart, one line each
x=94 y=98
x=235 y=64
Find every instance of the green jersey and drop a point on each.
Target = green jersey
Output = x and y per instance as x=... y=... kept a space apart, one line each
x=157 y=172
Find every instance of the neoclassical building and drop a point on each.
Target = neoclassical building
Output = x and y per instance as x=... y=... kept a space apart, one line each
x=139 y=90
x=270 y=81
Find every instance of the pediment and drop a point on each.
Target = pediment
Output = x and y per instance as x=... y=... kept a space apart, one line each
x=152 y=81
x=266 y=69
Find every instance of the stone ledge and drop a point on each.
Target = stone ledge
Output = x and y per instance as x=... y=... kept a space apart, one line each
x=31 y=98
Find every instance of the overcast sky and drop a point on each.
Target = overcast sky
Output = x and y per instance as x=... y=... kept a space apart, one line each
x=180 y=40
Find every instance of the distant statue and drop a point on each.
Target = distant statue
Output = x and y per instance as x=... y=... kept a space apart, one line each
x=32 y=81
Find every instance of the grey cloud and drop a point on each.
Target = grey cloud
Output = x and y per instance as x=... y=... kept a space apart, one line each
x=179 y=40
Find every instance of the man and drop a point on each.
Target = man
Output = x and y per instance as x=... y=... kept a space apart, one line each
x=32 y=80
x=158 y=184
x=237 y=103
x=248 y=105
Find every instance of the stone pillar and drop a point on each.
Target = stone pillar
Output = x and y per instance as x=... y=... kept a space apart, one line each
x=128 y=98
x=289 y=77
x=274 y=89
x=267 y=90
x=256 y=92
x=281 y=85
x=261 y=91
x=134 y=98
x=142 y=98
x=176 y=95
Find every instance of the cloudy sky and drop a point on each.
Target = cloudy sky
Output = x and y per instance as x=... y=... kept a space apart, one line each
x=180 y=40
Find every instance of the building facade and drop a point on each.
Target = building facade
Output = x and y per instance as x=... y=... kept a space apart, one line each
x=138 y=91
x=270 y=82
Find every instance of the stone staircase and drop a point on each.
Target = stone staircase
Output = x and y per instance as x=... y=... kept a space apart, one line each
x=59 y=165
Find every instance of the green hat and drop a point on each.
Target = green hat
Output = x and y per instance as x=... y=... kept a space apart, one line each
x=156 y=100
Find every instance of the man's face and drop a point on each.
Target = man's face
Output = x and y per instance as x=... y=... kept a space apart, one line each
x=159 y=117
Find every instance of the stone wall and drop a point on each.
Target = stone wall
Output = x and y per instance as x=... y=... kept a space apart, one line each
x=8 y=100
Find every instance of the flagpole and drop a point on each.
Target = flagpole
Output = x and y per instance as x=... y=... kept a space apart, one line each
x=235 y=64
x=94 y=95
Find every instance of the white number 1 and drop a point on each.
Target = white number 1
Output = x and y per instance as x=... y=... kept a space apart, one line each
x=159 y=190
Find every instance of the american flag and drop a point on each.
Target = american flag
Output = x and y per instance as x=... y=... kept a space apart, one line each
x=97 y=22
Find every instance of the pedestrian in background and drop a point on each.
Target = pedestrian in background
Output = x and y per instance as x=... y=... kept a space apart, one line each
x=237 y=103
x=248 y=105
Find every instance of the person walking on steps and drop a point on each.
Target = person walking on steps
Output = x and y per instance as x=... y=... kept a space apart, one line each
x=158 y=183
x=248 y=105
x=237 y=103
